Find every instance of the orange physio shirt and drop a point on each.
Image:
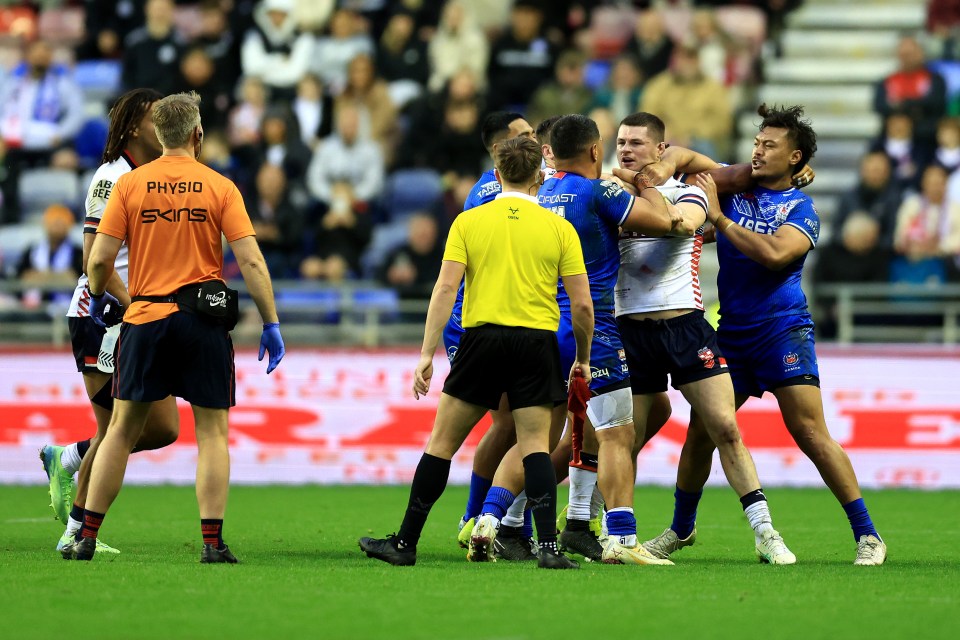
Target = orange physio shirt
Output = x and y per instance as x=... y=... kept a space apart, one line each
x=171 y=212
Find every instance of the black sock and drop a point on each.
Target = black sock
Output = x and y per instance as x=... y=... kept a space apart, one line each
x=212 y=531
x=578 y=525
x=429 y=481
x=753 y=497
x=541 y=486
x=82 y=447
x=91 y=524
x=76 y=512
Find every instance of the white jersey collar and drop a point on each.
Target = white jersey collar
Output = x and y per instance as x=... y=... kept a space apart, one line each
x=516 y=194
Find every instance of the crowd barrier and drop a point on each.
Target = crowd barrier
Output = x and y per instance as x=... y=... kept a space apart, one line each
x=348 y=416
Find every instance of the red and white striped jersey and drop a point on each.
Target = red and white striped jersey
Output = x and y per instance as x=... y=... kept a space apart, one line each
x=97 y=194
x=659 y=274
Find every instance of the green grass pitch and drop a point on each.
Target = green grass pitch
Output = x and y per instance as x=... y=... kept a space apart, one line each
x=302 y=575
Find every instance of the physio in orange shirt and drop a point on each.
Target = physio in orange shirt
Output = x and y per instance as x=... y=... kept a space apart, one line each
x=172 y=213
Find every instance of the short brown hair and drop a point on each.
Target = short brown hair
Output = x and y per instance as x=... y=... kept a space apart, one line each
x=517 y=159
x=175 y=117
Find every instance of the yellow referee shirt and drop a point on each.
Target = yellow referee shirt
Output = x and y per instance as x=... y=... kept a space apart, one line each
x=514 y=251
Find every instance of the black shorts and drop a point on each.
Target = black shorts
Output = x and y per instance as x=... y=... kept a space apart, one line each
x=85 y=336
x=685 y=348
x=493 y=360
x=180 y=355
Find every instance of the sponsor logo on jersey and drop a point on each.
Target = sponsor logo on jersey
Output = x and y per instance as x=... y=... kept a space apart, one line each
x=611 y=189
x=600 y=373
x=489 y=189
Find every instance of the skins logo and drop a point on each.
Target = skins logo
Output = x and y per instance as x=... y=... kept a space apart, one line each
x=791 y=359
x=706 y=354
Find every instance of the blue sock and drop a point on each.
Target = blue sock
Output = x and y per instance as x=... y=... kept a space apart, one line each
x=478 y=491
x=497 y=502
x=527 y=528
x=684 y=512
x=621 y=522
x=859 y=519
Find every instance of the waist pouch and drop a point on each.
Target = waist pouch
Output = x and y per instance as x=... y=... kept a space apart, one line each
x=212 y=300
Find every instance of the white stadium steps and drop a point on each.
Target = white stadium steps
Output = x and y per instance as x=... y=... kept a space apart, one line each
x=850 y=44
x=847 y=98
x=858 y=15
x=828 y=70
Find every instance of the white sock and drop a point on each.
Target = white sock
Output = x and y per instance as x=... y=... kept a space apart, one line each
x=759 y=516
x=582 y=483
x=70 y=458
x=73 y=526
x=596 y=502
x=514 y=517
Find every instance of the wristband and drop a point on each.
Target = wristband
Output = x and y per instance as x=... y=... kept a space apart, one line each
x=271 y=325
x=723 y=229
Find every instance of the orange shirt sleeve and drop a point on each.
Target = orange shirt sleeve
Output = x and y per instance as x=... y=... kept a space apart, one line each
x=235 y=220
x=114 y=221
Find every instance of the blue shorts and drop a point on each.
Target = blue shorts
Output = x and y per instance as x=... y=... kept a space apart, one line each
x=774 y=353
x=608 y=359
x=453 y=330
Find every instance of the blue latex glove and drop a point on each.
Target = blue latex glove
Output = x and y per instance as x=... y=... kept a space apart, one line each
x=271 y=342
x=104 y=305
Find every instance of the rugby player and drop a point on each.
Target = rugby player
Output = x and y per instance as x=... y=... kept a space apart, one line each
x=131 y=142
x=597 y=209
x=175 y=337
x=766 y=333
x=510 y=249
x=660 y=316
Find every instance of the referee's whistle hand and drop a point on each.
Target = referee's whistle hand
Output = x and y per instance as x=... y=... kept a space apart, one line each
x=271 y=342
x=422 y=376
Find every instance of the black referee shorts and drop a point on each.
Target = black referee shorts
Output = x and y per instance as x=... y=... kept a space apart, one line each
x=493 y=360
x=180 y=355
x=685 y=348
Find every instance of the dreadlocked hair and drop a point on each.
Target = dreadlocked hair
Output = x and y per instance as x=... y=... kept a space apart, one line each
x=125 y=116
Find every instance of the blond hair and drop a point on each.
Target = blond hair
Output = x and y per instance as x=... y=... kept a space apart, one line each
x=175 y=117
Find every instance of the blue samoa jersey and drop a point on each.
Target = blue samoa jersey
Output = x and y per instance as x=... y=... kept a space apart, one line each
x=596 y=209
x=749 y=292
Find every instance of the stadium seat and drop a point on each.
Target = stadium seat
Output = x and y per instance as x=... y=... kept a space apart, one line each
x=384 y=302
x=39 y=188
x=14 y=238
x=309 y=305
x=410 y=190
x=386 y=237
x=90 y=142
x=99 y=79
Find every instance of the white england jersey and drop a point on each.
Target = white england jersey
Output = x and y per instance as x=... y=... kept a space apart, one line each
x=97 y=194
x=658 y=274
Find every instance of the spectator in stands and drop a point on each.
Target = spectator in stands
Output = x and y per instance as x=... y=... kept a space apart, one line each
x=566 y=94
x=216 y=154
x=152 y=53
x=858 y=255
x=458 y=44
x=243 y=129
x=520 y=60
x=876 y=196
x=334 y=52
x=369 y=94
x=56 y=260
x=412 y=268
x=907 y=156
x=347 y=168
x=713 y=43
x=278 y=223
x=402 y=56
x=943 y=23
x=458 y=150
x=424 y=114
x=927 y=231
x=41 y=107
x=219 y=42
x=281 y=145
x=651 y=44
x=341 y=237
x=947 y=153
x=913 y=90
x=314 y=111
x=695 y=109
x=198 y=73
x=621 y=94
x=107 y=25
x=9 y=195
x=275 y=51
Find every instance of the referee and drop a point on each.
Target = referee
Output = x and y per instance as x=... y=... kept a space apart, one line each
x=174 y=341
x=512 y=252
